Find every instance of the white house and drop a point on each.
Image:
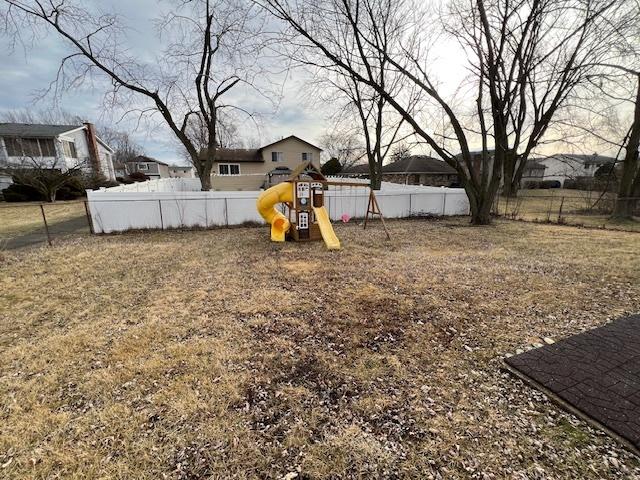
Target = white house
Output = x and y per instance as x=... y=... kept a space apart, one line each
x=54 y=146
x=182 y=171
x=565 y=166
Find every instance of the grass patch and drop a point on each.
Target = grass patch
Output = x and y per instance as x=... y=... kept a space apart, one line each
x=221 y=354
x=579 y=208
x=22 y=218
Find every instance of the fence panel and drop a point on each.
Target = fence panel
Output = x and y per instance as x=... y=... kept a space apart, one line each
x=115 y=211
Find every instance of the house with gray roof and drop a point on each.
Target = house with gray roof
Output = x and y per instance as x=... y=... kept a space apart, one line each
x=253 y=169
x=413 y=170
x=62 y=147
x=150 y=166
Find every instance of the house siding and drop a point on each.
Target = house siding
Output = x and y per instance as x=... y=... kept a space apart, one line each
x=427 y=179
x=254 y=174
x=78 y=137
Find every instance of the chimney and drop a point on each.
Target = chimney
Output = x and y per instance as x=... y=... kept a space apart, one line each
x=92 y=143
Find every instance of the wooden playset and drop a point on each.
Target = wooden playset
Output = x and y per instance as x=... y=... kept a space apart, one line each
x=305 y=217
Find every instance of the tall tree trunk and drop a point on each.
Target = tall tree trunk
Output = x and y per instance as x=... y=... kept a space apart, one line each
x=375 y=172
x=203 y=168
x=481 y=202
x=510 y=186
x=625 y=202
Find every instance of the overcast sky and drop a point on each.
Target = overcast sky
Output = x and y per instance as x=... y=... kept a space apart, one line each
x=24 y=73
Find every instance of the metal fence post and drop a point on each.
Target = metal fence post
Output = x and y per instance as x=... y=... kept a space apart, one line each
x=444 y=202
x=89 y=221
x=46 y=227
x=161 y=219
x=560 y=210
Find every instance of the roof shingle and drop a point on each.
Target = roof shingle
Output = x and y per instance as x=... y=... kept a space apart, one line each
x=29 y=130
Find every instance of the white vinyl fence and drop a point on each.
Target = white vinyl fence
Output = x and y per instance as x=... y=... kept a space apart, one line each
x=114 y=210
x=160 y=185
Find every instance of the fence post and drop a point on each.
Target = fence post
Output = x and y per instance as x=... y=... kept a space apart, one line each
x=46 y=227
x=410 y=205
x=161 y=219
x=89 y=221
x=226 y=212
x=444 y=201
x=560 y=210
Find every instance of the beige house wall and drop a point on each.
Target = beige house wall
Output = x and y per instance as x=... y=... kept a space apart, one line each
x=253 y=174
x=292 y=152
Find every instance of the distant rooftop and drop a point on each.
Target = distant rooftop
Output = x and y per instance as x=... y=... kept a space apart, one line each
x=593 y=159
x=144 y=158
x=419 y=164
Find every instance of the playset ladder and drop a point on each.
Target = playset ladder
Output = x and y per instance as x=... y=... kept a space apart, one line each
x=374 y=209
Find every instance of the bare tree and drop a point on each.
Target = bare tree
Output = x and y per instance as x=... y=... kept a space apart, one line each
x=400 y=152
x=629 y=189
x=499 y=91
x=48 y=116
x=125 y=149
x=357 y=105
x=344 y=145
x=529 y=56
x=211 y=48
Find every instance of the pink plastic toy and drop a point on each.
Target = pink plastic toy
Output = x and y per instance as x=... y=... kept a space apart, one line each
x=345 y=218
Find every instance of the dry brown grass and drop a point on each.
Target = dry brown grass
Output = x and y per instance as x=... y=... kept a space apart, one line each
x=571 y=207
x=220 y=355
x=21 y=218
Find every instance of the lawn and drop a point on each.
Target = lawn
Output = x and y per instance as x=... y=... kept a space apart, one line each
x=217 y=354
x=18 y=219
x=573 y=207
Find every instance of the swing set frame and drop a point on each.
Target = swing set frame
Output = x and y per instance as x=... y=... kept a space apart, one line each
x=373 y=208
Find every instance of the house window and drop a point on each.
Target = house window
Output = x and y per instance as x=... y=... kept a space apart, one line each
x=30 y=147
x=14 y=147
x=47 y=147
x=307 y=156
x=229 y=169
x=143 y=166
x=277 y=157
x=69 y=149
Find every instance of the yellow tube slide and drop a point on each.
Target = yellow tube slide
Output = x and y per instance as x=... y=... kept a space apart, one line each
x=280 y=193
x=328 y=235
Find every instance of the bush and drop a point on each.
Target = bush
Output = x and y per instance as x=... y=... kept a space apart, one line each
x=72 y=190
x=95 y=181
x=331 y=167
x=17 y=192
x=138 y=177
x=546 y=184
x=592 y=184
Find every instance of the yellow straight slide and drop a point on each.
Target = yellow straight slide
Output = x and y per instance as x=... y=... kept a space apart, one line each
x=328 y=235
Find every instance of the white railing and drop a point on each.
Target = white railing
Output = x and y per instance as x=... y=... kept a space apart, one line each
x=117 y=211
x=159 y=185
